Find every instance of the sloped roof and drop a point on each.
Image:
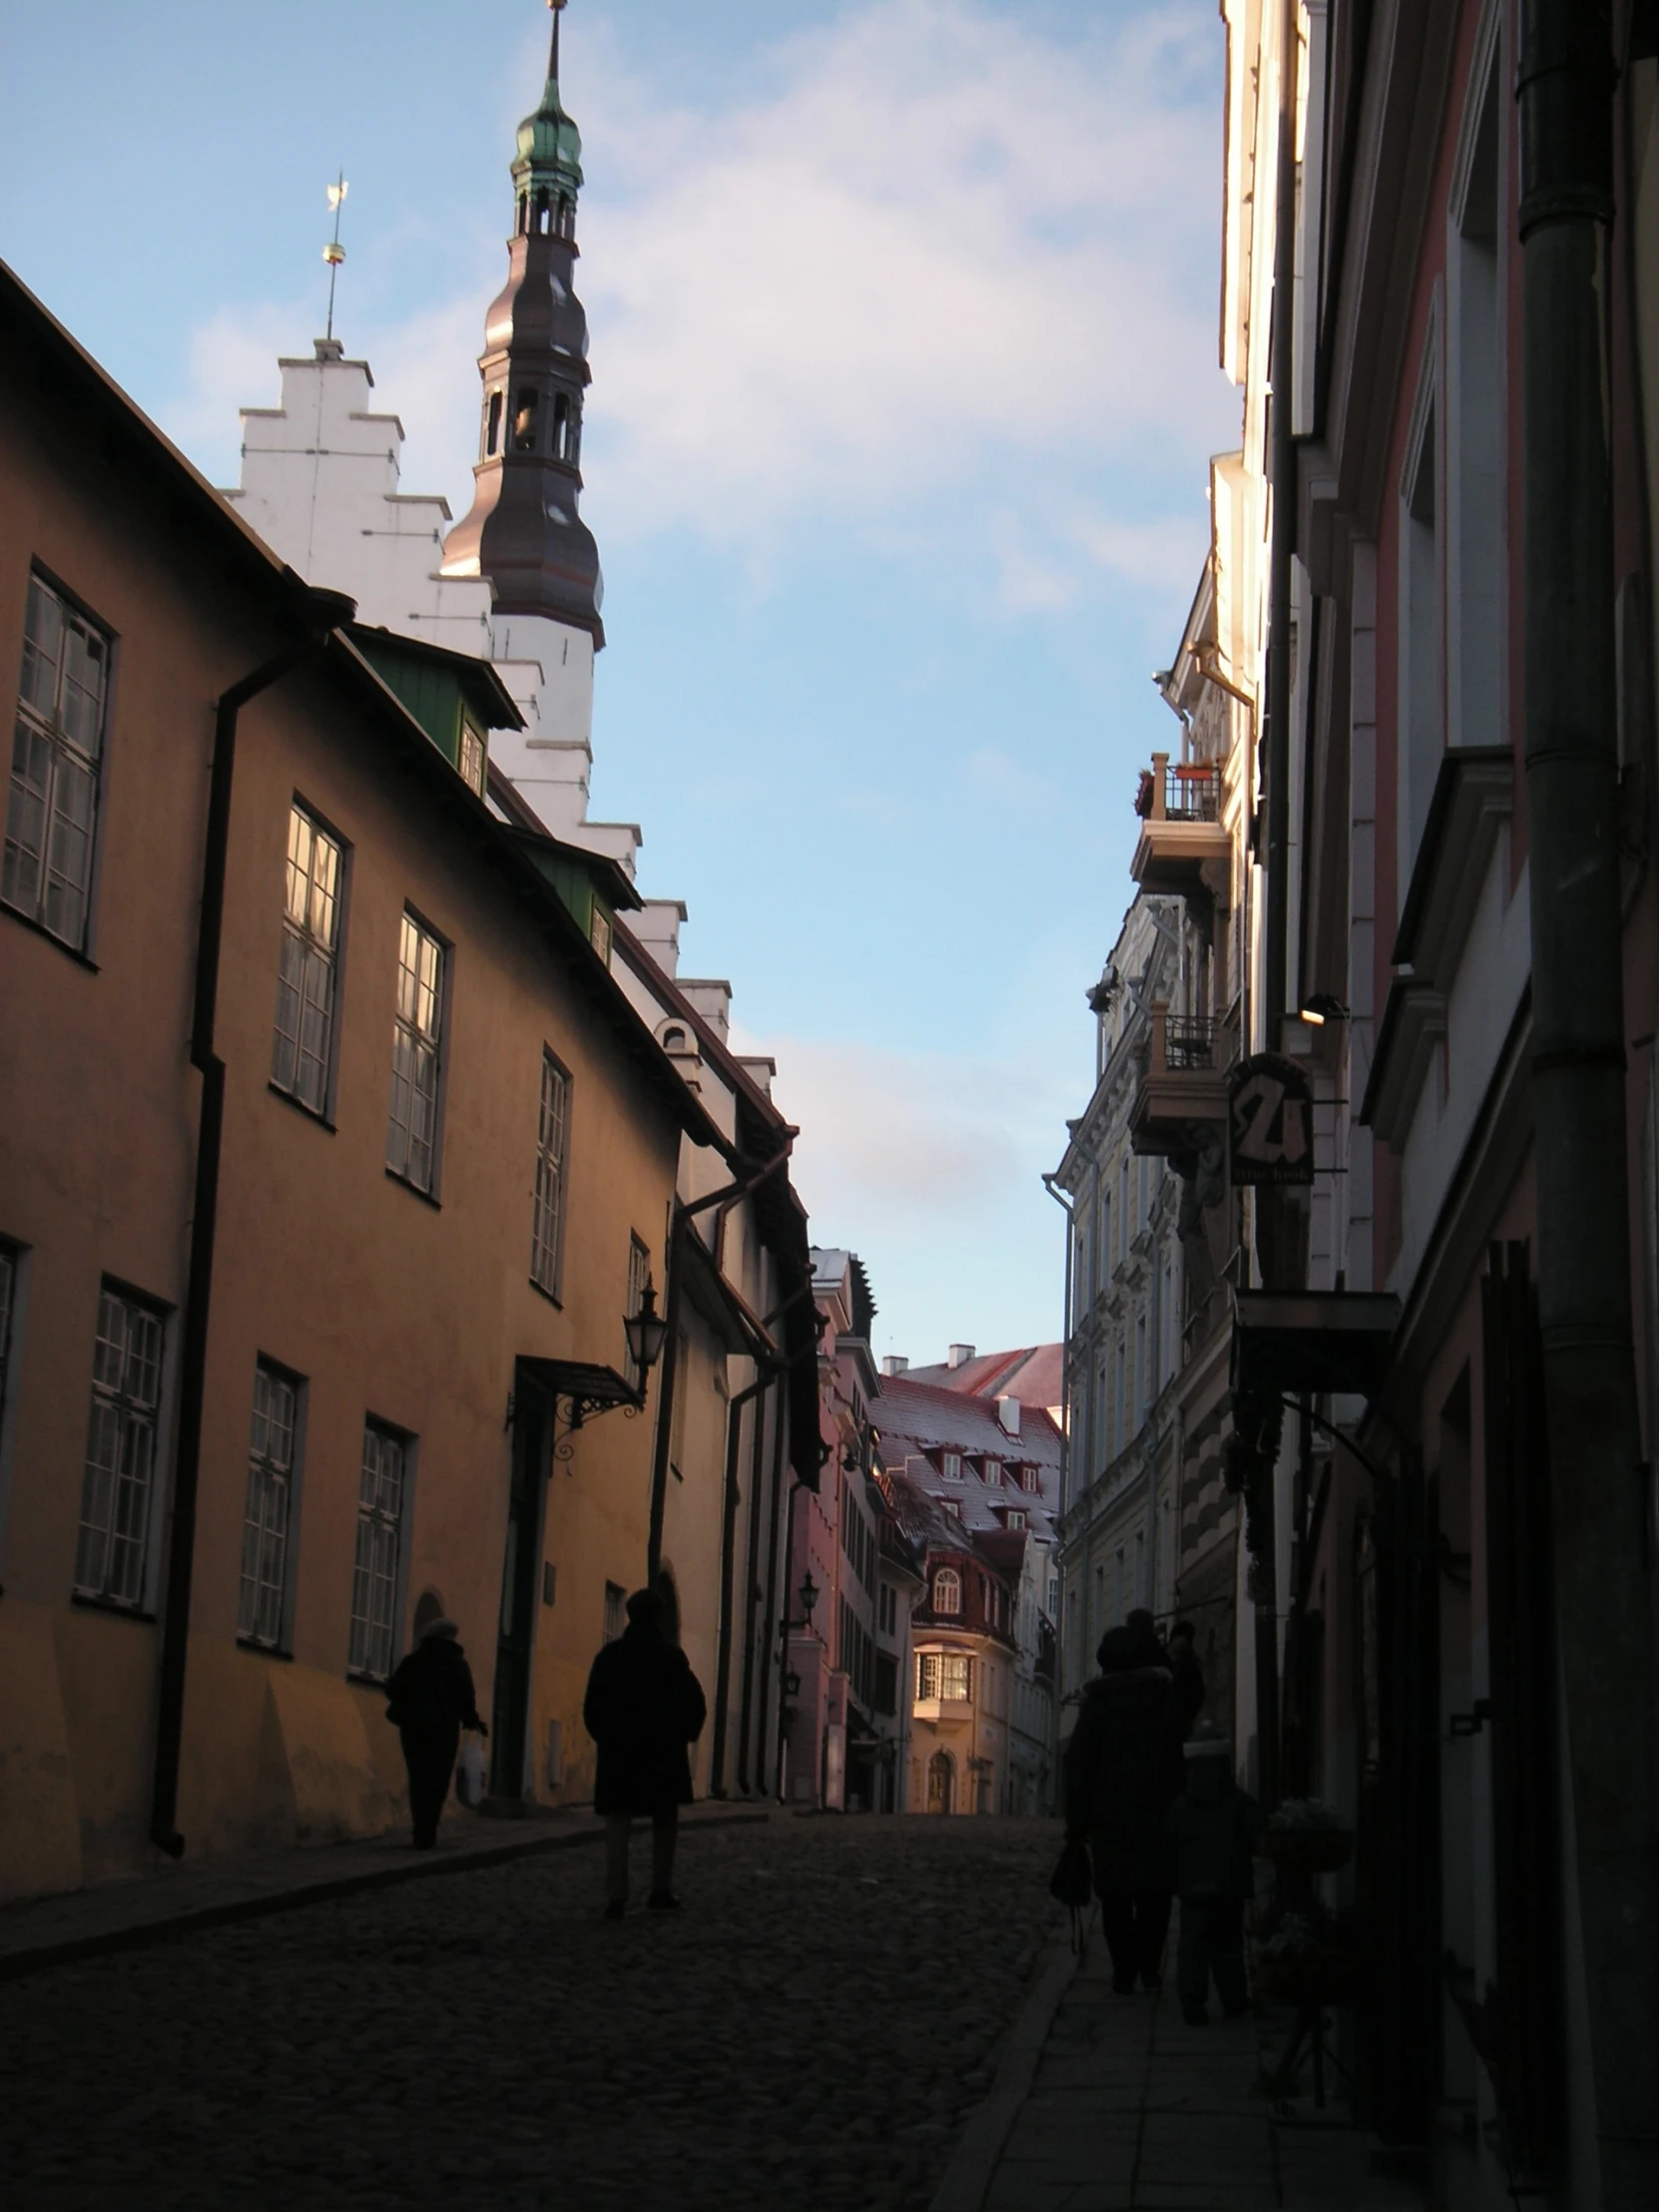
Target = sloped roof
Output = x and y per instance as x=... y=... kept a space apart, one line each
x=930 y=1417
x=1032 y=1373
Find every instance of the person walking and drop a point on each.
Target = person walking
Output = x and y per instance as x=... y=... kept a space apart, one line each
x=1212 y=1831
x=1122 y=1767
x=430 y=1700
x=644 y=1708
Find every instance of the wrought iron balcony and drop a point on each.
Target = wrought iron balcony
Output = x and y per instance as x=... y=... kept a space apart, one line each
x=1183 y=845
x=1182 y=1086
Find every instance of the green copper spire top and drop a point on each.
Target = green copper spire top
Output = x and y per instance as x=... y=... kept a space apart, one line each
x=549 y=144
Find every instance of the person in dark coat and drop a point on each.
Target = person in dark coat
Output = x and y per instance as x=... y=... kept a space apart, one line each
x=1212 y=1831
x=1189 y=1675
x=430 y=1700
x=644 y=1709
x=1122 y=1767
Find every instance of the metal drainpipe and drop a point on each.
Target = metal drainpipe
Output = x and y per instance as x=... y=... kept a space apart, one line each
x=728 y=1548
x=1065 y=1453
x=1564 y=88
x=773 y=1663
x=725 y=1199
x=1278 y=745
x=332 y=609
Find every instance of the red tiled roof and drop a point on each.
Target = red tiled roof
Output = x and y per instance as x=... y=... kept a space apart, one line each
x=1032 y=1375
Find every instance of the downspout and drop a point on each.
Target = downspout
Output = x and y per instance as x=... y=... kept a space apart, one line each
x=746 y=1734
x=752 y=1588
x=796 y=1487
x=330 y=609
x=1564 y=88
x=725 y=1197
x=728 y=1549
x=772 y=1665
x=1277 y=747
x=1065 y=1462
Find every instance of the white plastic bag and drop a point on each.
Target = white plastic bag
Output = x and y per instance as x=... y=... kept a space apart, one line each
x=469 y=1770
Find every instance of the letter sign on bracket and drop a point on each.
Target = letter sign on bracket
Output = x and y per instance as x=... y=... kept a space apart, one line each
x=1269 y=1119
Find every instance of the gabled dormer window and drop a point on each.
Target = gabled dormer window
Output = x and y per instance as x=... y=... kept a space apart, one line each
x=993 y=1470
x=952 y=1464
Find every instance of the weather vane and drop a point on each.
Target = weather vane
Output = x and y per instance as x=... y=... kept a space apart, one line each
x=333 y=253
x=553 y=65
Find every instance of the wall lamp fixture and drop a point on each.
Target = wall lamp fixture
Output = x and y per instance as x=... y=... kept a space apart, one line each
x=1322 y=1008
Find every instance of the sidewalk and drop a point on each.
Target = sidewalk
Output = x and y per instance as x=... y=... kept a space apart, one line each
x=205 y=1893
x=1105 y=2103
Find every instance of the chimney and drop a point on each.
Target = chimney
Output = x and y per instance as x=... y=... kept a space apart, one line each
x=893 y=1363
x=1008 y=1412
x=960 y=1355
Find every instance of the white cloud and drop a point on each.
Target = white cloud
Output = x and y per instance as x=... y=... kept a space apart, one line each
x=942 y=251
x=936 y=279
x=916 y=1135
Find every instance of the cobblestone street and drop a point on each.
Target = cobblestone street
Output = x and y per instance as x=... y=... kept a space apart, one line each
x=806 y=2032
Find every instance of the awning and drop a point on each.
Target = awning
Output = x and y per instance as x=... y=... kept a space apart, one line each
x=1315 y=1341
x=589 y=1388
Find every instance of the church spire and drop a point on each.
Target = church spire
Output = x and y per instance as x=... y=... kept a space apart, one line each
x=524 y=532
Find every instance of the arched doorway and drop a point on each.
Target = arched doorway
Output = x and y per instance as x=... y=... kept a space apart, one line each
x=941 y=1782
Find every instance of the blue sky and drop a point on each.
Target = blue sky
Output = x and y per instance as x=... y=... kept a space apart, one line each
x=903 y=336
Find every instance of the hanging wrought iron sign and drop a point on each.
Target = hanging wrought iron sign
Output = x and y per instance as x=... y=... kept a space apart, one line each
x=1269 y=1119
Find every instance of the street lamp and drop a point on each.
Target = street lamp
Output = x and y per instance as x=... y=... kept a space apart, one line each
x=645 y=1331
x=809 y=1598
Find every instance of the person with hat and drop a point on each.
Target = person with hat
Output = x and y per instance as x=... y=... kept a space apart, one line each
x=1211 y=1831
x=644 y=1709
x=430 y=1700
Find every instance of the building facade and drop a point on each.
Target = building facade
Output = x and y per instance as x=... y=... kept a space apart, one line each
x=318 y=1327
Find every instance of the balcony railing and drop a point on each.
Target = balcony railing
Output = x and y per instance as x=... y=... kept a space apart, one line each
x=1189 y=792
x=1189 y=1041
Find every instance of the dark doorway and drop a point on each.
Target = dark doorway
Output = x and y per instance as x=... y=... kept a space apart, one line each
x=520 y=1572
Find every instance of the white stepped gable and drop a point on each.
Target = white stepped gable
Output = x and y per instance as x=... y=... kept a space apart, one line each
x=319 y=484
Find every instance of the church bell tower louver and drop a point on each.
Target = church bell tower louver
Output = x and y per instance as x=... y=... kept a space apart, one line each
x=524 y=532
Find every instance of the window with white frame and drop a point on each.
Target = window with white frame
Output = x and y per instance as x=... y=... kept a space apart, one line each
x=262 y=1614
x=638 y=1273
x=945 y=1674
x=381 y=1489
x=417 y=1038
x=993 y=1470
x=474 y=759
x=1014 y=1520
x=953 y=1466
x=57 y=745
x=947 y=1590
x=599 y=933
x=552 y=1136
x=302 y=1052
x=119 y=1479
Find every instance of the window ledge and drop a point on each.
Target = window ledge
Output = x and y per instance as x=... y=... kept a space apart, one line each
x=415 y=1190
x=263 y=1651
x=378 y=1682
x=319 y=1120
x=69 y=952
x=541 y=1289
x=92 y=1604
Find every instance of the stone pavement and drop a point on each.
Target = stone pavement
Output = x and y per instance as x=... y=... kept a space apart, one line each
x=173 y=1899
x=1119 y=2105
x=807 y=2033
